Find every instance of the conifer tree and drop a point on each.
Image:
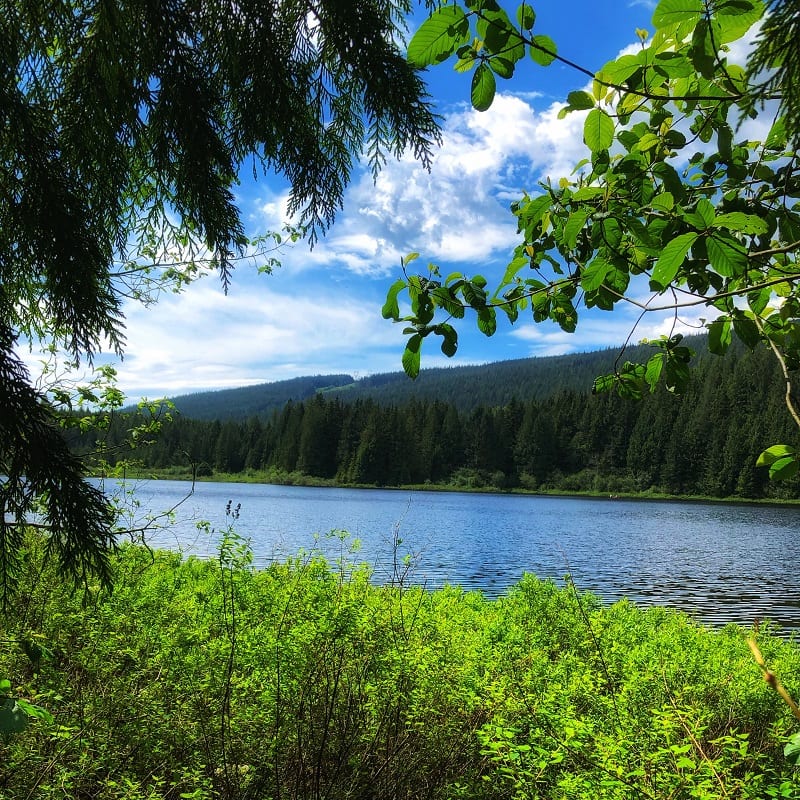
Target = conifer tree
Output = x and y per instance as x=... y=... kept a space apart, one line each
x=124 y=126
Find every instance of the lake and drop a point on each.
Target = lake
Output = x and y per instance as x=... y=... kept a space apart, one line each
x=720 y=562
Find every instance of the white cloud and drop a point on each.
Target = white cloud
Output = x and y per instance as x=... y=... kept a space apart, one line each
x=206 y=340
x=460 y=211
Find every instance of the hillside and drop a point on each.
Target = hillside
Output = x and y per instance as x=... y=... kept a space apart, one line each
x=703 y=442
x=465 y=387
x=254 y=401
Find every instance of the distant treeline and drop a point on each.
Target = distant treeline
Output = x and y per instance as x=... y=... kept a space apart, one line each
x=702 y=443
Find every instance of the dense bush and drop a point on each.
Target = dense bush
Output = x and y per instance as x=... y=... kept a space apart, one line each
x=200 y=679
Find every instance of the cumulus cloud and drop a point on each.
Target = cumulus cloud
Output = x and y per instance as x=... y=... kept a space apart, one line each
x=459 y=212
x=207 y=340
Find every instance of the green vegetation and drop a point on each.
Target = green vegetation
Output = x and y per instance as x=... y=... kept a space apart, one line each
x=255 y=401
x=495 y=384
x=209 y=679
x=125 y=125
x=676 y=205
x=704 y=442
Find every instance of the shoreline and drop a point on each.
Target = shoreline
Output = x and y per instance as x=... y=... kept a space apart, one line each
x=295 y=479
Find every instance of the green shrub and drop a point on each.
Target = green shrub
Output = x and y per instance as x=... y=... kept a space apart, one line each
x=305 y=680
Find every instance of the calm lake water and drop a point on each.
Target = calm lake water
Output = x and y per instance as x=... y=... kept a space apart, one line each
x=722 y=563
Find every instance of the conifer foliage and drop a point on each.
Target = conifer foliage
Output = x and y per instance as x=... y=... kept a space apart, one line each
x=124 y=125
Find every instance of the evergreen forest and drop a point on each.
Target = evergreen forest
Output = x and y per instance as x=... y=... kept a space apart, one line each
x=704 y=442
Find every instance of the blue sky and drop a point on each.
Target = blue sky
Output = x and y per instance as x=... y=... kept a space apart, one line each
x=320 y=312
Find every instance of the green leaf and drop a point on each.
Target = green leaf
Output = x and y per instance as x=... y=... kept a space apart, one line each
x=438 y=37
x=792 y=750
x=774 y=453
x=719 y=335
x=543 y=50
x=580 y=101
x=618 y=71
x=526 y=17
x=391 y=308
x=726 y=255
x=483 y=88
x=574 y=225
x=603 y=383
x=449 y=338
x=487 y=320
x=411 y=356
x=501 y=66
x=746 y=329
x=670 y=261
x=593 y=276
x=12 y=718
x=598 y=130
x=653 y=369
x=733 y=20
x=683 y=13
x=647 y=142
x=783 y=468
x=663 y=201
x=740 y=222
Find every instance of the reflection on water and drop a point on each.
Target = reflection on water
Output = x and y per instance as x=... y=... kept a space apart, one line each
x=722 y=563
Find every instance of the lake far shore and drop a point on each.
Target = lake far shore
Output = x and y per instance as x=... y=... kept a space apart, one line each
x=298 y=479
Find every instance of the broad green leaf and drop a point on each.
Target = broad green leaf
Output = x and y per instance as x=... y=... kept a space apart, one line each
x=543 y=50
x=594 y=274
x=783 y=468
x=759 y=299
x=411 y=356
x=617 y=72
x=676 y=375
x=653 y=370
x=513 y=269
x=526 y=17
x=676 y=65
x=444 y=297
x=663 y=201
x=733 y=20
x=603 y=383
x=740 y=222
x=774 y=453
x=391 y=308
x=705 y=211
x=726 y=255
x=12 y=718
x=574 y=226
x=438 y=37
x=493 y=27
x=719 y=335
x=589 y=193
x=647 y=142
x=777 y=137
x=501 y=66
x=580 y=101
x=483 y=88
x=792 y=750
x=746 y=329
x=670 y=260
x=487 y=320
x=682 y=13
x=598 y=130
x=449 y=338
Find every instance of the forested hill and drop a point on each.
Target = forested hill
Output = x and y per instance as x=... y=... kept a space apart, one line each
x=465 y=387
x=255 y=401
x=704 y=442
